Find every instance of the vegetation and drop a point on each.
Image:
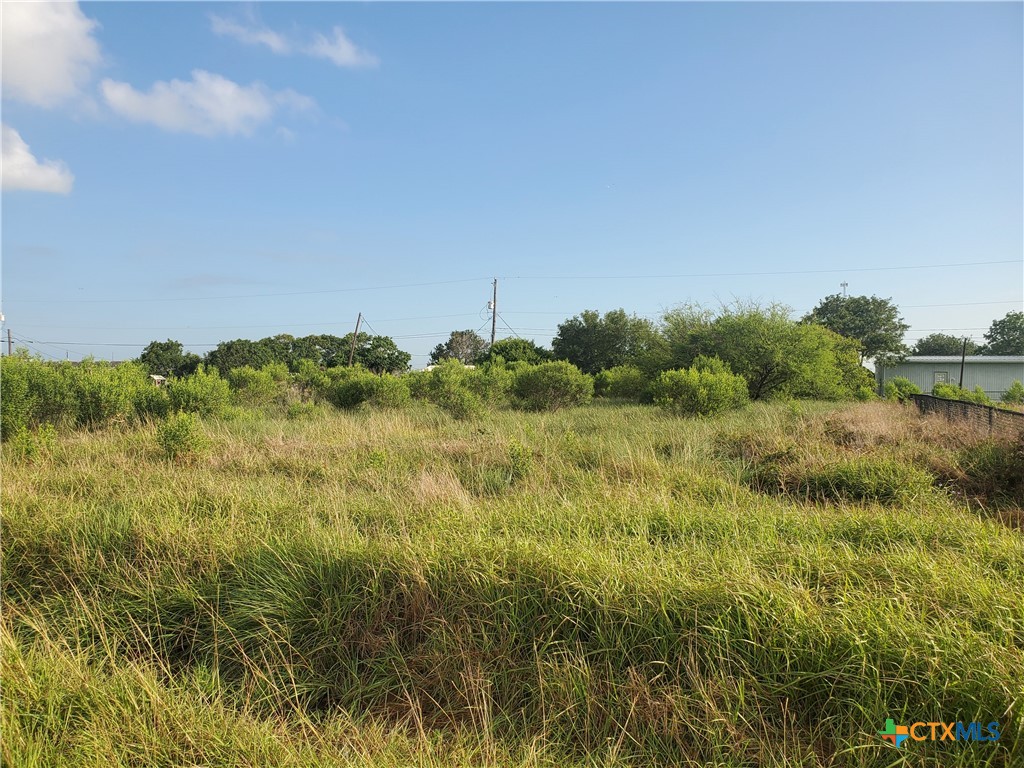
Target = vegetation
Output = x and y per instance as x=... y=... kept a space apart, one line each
x=873 y=322
x=594 y=343
x=899 y=388
x=1006 y=336
x=944 y=344
x=776 y=356
x=699 y=391
x=604 y=585
x=464 y=346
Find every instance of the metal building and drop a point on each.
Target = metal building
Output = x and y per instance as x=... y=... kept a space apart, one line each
x=993 y=373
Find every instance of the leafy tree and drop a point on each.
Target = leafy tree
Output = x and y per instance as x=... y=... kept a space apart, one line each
x=168 y=358
x=1006 y=336
x=874 y=322
x=379 y=354
x=776 y=355
x=943 y=344
x=593 y=343
x=464 y=346
x=516 y=351
x=229 y=355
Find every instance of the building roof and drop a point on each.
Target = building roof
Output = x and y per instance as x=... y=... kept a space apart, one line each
x=968 y=359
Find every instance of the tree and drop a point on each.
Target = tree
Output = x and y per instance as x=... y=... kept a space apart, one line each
x=593 y=343
x=1006 y=336
x=379 y=354
x=874 y=322
x=776 y=355
x=464 y=346
x=516 y=351
x=168 y=358
x=229 y=355
x=943 y=344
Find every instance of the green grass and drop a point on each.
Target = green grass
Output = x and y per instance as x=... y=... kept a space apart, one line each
x=604 y=586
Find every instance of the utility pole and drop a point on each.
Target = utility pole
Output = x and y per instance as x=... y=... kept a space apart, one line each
x=494 y=312
x=844 y=285
x=355 y=337
x=10 y=344
x=963 y=357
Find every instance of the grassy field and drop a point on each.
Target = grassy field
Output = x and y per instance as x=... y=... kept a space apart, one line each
x=604 y=586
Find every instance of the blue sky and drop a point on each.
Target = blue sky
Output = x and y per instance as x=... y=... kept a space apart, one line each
x=158 y=156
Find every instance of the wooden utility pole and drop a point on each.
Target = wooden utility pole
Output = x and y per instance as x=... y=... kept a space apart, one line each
x=494 y=312
x=355 y=337
x=10 y=344
x=963 y=356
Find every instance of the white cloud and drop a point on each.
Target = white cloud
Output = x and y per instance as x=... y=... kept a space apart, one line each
x=340 y=50
x=21 y=170
x=250 y=34
x=337 y=48
x=49 y=51
x=207 y=105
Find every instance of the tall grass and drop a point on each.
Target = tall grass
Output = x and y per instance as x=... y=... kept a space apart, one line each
x=594 y=586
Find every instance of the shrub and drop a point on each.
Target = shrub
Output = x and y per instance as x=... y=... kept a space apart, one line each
x=312 y=380
x=15 y=400
x=900 y=388
x=1015 y=394
x=181 y=434
x=252 y=387
x=550 y=386
x=448 y=387
x=953 y=392
x=491 y=382
x=152 y=402
x=350 y=387
x=626 y=382
x=389 y=392
x=106 y=392
x=204 y=392
x=694 y=392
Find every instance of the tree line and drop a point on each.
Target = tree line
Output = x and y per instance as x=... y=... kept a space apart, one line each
x=820 y=355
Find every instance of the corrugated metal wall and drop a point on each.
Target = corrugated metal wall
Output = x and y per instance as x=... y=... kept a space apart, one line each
x=993 y=377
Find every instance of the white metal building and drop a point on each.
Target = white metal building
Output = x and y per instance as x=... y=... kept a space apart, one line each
x=993 y=373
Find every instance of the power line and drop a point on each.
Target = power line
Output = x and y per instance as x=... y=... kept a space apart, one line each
x=690 y=275
x=249 y=295
x=759 y=274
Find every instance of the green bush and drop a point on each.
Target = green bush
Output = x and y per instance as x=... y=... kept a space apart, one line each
x=312 y=380
x=448 y=388
x=252 y=387
x=625 y=382
x=953 y=392
x=1015 y=394
x=181 y=434
x=694 y=392
x=490 y=382
x=16 y=402
x=152 y=402
x=350 y=387
x=204 y=392
x=550 y=386
x=389 y=392
x=900 y=388
x=106 y=392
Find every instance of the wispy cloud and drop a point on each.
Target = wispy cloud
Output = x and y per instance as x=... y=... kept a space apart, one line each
x=207 y=105
x=21 y=169
x=250 y=34
x=340 y=50
x=49 y=52
x=336 y=48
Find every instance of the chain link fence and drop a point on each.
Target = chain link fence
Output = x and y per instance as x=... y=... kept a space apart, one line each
x=984 y=416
